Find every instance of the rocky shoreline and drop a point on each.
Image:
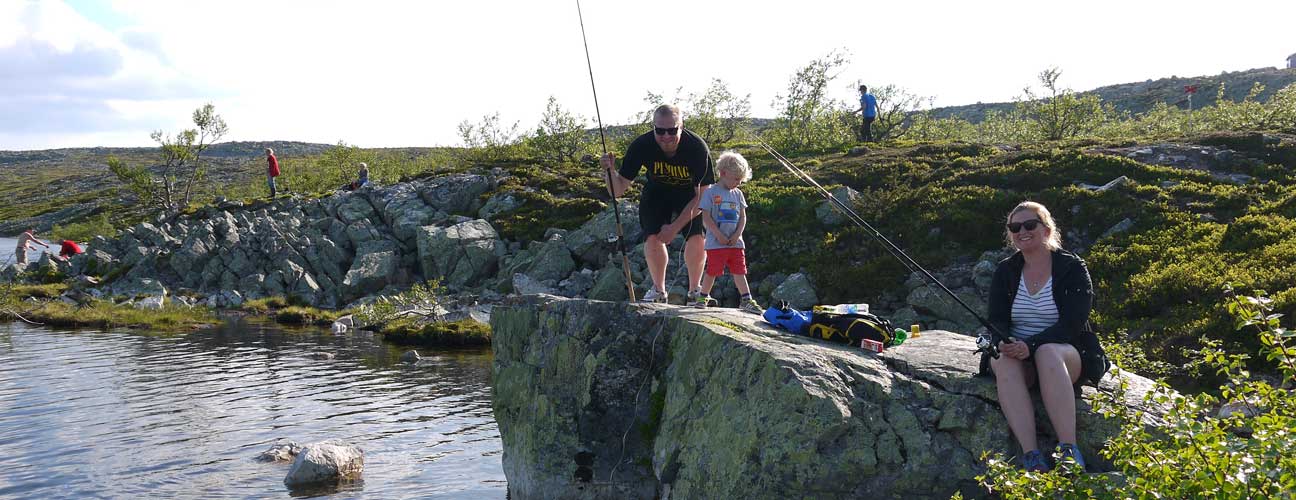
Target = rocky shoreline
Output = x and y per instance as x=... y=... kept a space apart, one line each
x=343 y=250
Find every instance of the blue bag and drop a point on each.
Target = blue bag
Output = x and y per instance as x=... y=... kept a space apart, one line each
x=788 y=319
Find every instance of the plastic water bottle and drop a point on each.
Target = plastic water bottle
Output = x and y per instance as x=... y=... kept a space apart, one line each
x=842 y=309
x=901 y=335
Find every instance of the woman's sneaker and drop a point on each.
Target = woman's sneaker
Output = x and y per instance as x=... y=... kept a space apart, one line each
x=655 y=296
x=1033 y=461
x=698 y=300
x=750 y=306
x=1068 y=451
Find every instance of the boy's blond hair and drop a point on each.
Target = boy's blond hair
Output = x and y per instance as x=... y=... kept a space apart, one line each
x=733 y=162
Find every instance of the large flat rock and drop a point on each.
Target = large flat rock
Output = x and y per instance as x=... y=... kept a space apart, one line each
x=613 y=400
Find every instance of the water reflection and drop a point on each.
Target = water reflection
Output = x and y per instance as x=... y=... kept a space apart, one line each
x=123 y=415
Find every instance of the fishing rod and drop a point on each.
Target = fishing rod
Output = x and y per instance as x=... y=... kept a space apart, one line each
x=991 y=347
x=620 y=233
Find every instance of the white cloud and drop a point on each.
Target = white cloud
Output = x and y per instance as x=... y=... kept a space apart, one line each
x=392 y=73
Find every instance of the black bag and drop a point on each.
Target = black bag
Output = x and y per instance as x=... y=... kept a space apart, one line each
x=850 y=328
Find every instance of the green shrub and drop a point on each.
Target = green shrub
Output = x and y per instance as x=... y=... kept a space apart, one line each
x=414 y=332
x=300 y=315
x=86 y=230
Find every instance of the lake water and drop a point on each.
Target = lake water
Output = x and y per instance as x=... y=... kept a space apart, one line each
x=116 y=414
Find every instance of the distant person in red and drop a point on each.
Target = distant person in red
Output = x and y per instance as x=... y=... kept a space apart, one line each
x=69 y=248
x=272 y=169
x=25 y=241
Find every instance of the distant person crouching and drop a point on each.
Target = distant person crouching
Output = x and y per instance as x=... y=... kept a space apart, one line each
x=69 y=248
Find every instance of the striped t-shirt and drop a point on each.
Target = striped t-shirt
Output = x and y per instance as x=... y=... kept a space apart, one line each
x=1031 y=314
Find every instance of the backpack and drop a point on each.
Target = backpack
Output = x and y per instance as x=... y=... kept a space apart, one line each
x=850 y=328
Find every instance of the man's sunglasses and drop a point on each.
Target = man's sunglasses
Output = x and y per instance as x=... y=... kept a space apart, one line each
x=1030 y=225
x=666 y=131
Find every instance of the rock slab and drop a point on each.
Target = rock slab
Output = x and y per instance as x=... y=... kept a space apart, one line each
x=614 y=400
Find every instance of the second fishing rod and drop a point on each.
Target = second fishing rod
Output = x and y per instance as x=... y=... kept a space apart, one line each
x=895 y=251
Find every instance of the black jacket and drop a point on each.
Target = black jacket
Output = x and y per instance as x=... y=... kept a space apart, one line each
x=1073 y=294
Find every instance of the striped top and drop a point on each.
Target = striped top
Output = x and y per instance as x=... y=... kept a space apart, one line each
x=1031 y=314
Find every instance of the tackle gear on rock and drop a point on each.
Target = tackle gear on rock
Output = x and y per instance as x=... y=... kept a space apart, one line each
x=852 y=328
x=842 y=328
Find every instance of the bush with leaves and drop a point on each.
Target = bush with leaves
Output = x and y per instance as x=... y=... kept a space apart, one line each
x=1234 y=444
x=421 y=300
x=1061 y=113
x=717 y=115
x=1251 y=114
x=171 y=185
x=490 y=141
x=560 y=136
x=810 y=120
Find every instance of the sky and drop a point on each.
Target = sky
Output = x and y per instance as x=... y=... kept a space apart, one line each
x=405 y=73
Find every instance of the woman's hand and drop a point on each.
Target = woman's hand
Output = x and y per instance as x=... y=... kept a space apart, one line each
x=1016 y=350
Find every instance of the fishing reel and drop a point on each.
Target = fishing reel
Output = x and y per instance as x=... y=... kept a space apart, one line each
x=986 y=345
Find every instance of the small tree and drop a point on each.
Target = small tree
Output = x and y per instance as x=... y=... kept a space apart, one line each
x=560 y=136
x=170 y=186
x=1061 y=114
x=716 y=114
x=809 y=119
x=488 y=140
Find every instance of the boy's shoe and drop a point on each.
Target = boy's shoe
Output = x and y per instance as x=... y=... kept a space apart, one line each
x=750 y=306
x=699 y=301
x=1069 y=451
x=1033 y=461
x=655 y=296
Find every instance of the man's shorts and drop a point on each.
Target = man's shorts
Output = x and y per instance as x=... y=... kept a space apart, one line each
x=718 y=258
x=660 y=207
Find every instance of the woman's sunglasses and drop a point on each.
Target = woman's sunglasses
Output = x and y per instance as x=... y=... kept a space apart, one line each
x=1030 y=225
x=666 y=131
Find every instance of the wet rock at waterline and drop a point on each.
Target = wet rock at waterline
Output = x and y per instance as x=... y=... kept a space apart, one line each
x=324 y=462
x=281 y=451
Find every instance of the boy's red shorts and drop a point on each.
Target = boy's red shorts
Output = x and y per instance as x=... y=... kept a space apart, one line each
x=718 y=258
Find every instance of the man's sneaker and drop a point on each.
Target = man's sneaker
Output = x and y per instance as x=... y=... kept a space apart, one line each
x=1068 y=451
x=750 y=306
x=654 y=296
x=698 y=300
x=1033 y=461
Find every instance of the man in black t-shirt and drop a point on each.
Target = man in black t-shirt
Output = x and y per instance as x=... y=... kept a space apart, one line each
x=679 y=168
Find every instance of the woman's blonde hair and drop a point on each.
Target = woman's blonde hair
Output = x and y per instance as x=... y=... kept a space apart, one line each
x=731 y=161
x=1054 y=240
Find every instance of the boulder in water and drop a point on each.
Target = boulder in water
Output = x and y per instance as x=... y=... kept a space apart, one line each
x=325 y=461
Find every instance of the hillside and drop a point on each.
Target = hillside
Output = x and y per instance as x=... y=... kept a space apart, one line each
x=1139 y=97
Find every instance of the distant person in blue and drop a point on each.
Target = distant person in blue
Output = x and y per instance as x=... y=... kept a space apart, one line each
x=868 y=106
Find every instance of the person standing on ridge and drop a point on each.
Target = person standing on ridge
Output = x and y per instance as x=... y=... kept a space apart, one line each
x=869 y=111
x=679 y=169
x=272 y=170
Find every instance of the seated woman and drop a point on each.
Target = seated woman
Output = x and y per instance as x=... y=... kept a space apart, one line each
x=1042 y=296
x=363 y=178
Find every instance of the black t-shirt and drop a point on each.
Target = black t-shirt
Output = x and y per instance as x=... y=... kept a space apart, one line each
x=690 y=166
